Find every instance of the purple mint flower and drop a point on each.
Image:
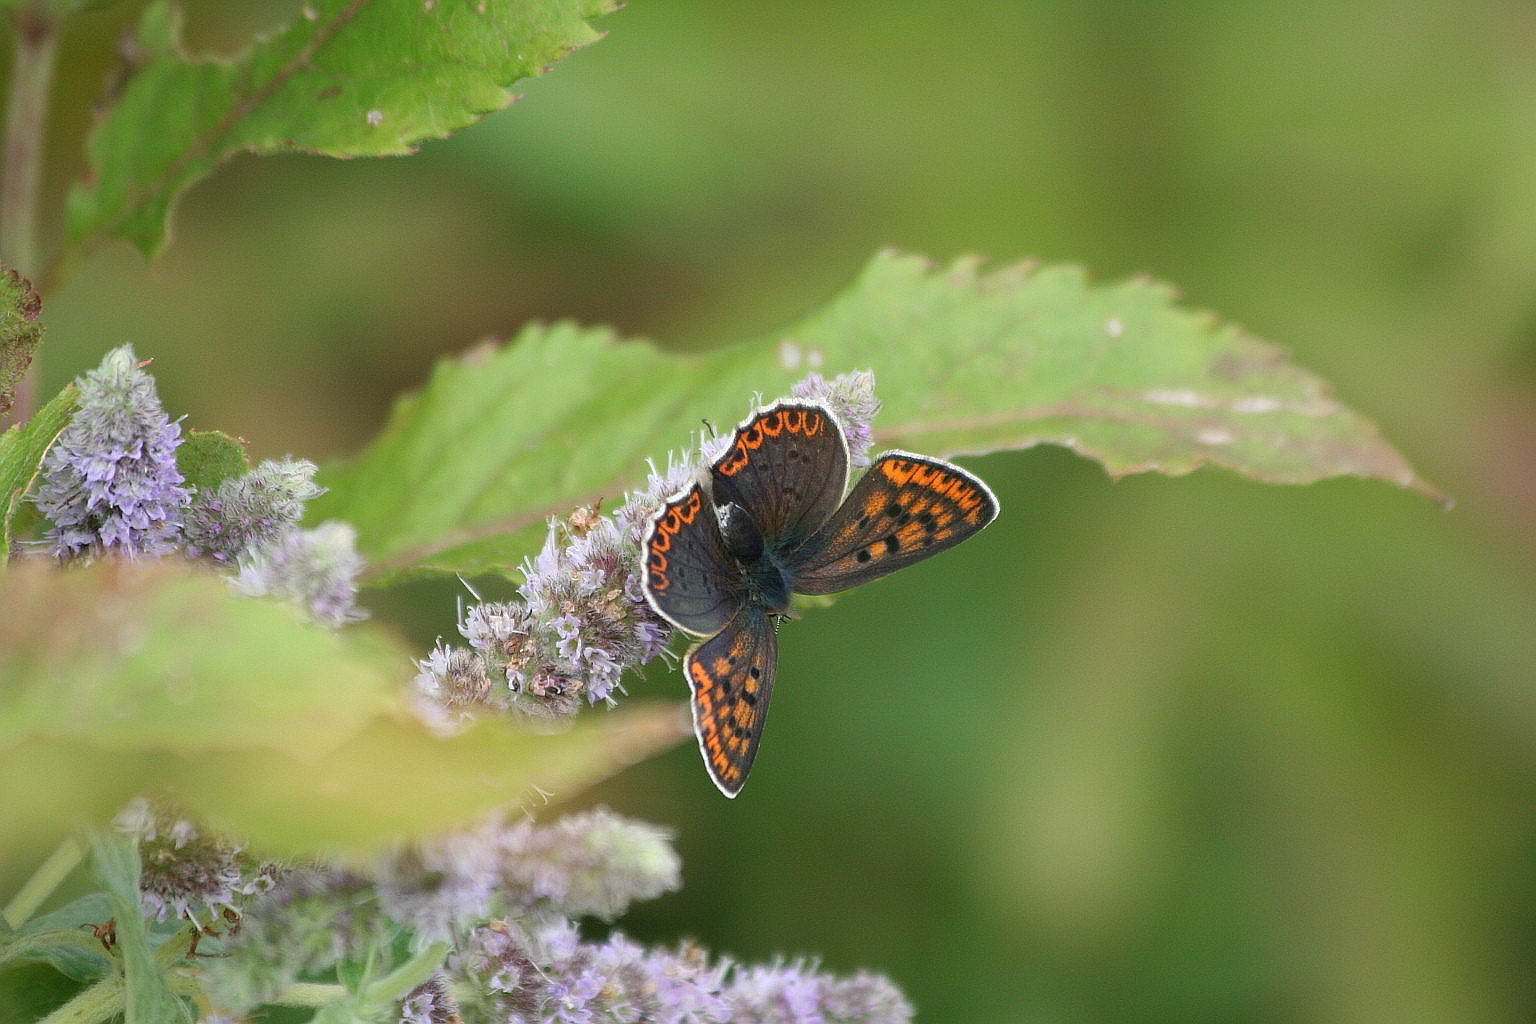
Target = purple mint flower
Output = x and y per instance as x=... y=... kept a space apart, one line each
x=798 y=993
x=603 y=669
x=497 y=958
x=550 y=976
x=594 y=863
x=185 y=874
x=568 y=628
x=310 y=920
x=640 y=507
x=851 y=397
x=110 y=482
x=250 y=511
x=315 y=570
x=495 y=627
x=688 y=986
x=547 y=973
x=431 y=1002
x=450 y=684
x=444 y=887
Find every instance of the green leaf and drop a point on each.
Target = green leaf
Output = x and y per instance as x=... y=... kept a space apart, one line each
x=396 y=779
x=63 y=940
x=21 y=457
x=466 y=472
x=20 y=332
x=178 y=661
x=147 y=994
x=398 y=983
x=209 y=457
x=74 y=952
x=345 y=78
x=91 y=908
x=128 y=678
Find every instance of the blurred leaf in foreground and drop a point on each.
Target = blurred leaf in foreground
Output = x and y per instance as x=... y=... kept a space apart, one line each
x=466 y=472
x=130 y=678
x=345 y=78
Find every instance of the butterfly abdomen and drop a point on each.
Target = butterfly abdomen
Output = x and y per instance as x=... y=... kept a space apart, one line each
x=769 y=584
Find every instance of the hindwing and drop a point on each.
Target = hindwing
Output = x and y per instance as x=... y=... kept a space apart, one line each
x=903 y=509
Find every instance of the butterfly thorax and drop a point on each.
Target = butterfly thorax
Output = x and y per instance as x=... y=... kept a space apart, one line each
x=768 y=584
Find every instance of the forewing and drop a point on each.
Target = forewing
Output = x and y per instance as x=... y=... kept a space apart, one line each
x=903 y=509
x=686 y=573
x=787 y=466
x=731 y=675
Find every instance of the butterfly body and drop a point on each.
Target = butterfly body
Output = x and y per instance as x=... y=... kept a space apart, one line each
x=723 y=557
x=768 y=583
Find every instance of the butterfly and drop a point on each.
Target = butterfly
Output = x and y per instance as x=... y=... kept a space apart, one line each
x=722 y=558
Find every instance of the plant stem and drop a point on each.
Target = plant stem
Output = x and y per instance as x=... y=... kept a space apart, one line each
x=100 y=1002
x=26 y=118
x=21 y=155
x=310 y=993
x=42 y=883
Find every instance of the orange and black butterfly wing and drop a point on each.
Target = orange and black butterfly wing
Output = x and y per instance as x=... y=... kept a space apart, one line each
x=731 y=675
x=787 y=468
x=688 y=576
x=903 y=509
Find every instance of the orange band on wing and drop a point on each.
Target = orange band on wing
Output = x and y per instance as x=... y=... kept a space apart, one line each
x=769 y=424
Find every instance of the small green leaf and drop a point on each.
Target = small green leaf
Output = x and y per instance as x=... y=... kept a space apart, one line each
x=398 y=983
x=131 y=678
x=466 y=472
x=148 y=994
x=209 y=457
x=62 y=939
x=74 y=953
x=20 y=332
x=345 y=78
x=21 y=456
x=91 y=908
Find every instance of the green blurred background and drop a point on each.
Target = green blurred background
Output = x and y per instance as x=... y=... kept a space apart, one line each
x=1156 y=750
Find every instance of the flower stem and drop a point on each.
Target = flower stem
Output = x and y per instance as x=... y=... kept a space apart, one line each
x=310 y=993
x=26 y=118
x=42 y=883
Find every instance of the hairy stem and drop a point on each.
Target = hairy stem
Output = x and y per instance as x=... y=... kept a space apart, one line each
x=305 y=993
x=21 y=156
x=102 y=1001
x=26 y=116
